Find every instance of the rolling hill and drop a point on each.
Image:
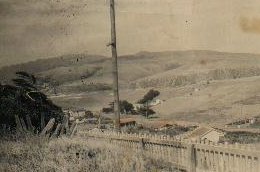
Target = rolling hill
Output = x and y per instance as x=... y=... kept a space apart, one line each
x=201 y=86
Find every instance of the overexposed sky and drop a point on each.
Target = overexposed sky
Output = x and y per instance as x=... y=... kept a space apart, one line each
x=32 y=29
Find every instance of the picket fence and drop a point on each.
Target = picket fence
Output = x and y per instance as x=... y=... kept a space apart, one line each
x=186 y=155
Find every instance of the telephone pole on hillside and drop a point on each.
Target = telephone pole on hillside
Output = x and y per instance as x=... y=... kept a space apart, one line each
x=114 y=65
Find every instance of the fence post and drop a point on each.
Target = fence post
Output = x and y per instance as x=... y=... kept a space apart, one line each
x=142 y=144
x=191 y=161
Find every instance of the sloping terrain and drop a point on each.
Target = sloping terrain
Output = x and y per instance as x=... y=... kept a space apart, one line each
x=202 y=86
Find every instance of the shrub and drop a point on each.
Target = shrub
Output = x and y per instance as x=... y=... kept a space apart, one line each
x=107 y=110
x=146 y=111
x=89 y=114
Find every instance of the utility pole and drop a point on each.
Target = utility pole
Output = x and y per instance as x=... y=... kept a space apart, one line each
x=114 y=65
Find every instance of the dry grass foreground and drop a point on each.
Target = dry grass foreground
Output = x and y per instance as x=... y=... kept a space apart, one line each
x=72 y=154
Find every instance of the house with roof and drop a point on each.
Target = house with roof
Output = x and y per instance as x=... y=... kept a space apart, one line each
x=205 y=133
x=124 y=122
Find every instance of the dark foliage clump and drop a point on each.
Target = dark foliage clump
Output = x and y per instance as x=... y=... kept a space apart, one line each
x=146 y=111
x=125 y=107
x=107 y=110
x=24 y=99
x=149 y=96
x=89 y=114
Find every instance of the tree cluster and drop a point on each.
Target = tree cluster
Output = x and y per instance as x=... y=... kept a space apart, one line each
x=125 y=107
x=24 y=99
x=148 y=97
x=146 y=111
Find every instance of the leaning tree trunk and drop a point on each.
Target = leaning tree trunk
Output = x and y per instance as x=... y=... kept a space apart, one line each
x=114 y=67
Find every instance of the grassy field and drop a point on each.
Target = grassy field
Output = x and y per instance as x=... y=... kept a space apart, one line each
x=33 y=153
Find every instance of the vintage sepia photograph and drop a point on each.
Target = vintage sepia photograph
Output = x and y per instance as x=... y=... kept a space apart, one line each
x=129 y=86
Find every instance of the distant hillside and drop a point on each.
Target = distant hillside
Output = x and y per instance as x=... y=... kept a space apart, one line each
x=83 y=72
x=202 y=86
x=43 y=65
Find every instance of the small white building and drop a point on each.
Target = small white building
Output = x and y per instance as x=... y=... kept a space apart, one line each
x=252 y=120
x=205 y=133
x=137 y=106
x=155 y=102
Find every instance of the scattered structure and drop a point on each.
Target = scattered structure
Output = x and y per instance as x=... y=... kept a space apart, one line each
x=88 y=121
x=244 y=121
x=137 y=106
x=161 y=125
x=127 y=122
x=75 y=113
x=81 y=114
x=205 y=133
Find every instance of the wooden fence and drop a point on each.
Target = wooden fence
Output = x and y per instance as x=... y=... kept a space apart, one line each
x=51 y=129
x=186 y=155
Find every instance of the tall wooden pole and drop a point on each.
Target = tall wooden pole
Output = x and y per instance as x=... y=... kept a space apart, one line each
x=114 y=66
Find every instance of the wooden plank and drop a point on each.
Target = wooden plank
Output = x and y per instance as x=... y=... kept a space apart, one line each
x=74 y=129
x=48 y=127
x=66 y=123
x=19 y=127
x=62 y=130
x=23 y=124
x=29 y=123
x=56 y=132
x=42 y=120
